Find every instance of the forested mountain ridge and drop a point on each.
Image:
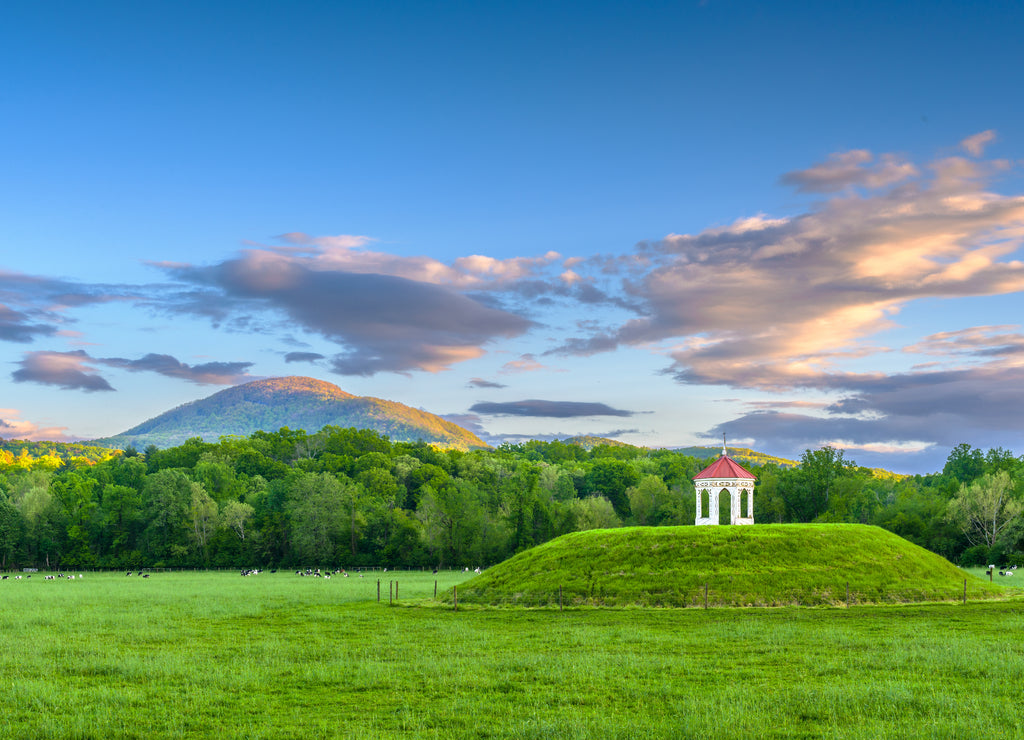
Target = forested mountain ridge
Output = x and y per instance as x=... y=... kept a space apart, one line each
x=353 y=497
x=296 y=403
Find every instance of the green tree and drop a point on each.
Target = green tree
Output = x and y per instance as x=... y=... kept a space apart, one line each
x=815 y=481
x=168 y=500
x=964 y=464
x=986 y=510
x=203 y=512
x=653 y=504
x=611 y=478
x=316 y=504
x=12 y=533
x=237 y=517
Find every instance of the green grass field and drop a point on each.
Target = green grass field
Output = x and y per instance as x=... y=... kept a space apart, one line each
x=278 y=656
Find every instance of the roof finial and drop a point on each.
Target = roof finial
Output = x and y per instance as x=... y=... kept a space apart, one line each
x=723 y=445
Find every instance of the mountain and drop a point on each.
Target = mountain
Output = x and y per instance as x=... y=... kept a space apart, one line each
x=739 y=454
x=296 y=403
x=589 y=442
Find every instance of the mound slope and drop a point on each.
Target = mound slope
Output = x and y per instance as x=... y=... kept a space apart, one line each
x=759 y=565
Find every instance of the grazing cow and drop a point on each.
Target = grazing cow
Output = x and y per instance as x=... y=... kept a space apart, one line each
x=145 y=575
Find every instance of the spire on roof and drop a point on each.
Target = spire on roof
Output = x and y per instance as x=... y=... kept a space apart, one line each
x=724 y=454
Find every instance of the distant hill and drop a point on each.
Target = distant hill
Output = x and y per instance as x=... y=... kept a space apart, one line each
x=296 y=403
x=759 y=565
x=589 y=442
x=739 y=454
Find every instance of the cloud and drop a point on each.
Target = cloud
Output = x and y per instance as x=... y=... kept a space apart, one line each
x=471 y=423
x=975 y=145
x=207 y=373
x=345 y=254
x=11 y=427
x=303 y=357
x=525 y=364
x=384 y=322
x=985 y=342
x=855 y=168
x=16 y=326
x=67 y=370
x=553 y=409
x=481 y=383
x=779 y=304
x=496 y=439
x=897 y=418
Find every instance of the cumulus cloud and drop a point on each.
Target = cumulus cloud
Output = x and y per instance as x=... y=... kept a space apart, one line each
x=777 y=304
x=207 y=373
x=553 y=409
x=384 y=322
x=67 y=370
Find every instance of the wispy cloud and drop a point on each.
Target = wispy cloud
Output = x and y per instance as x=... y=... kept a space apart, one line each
x=207 y=373
x=76 y=370
x=554 y=409
x=975 y=145
x=303 y=357
x=856 y=168
x=481 y=383
x=525 y=364
x=16 y=326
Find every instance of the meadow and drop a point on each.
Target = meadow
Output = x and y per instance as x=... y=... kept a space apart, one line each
x=211 y=654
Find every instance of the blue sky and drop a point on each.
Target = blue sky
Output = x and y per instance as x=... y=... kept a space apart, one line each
x=793 y=223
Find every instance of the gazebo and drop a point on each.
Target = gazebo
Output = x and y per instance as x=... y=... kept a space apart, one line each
x=727 y=476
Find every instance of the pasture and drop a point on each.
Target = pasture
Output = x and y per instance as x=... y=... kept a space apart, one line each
x=278 y=656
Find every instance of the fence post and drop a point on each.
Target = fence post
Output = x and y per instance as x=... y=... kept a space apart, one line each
x=378 y=590
x=705 y=595
x=390 y=599
x=435 y=589
x=396 y=590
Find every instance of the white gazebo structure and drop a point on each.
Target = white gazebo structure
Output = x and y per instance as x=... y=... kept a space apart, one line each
x=724 y=476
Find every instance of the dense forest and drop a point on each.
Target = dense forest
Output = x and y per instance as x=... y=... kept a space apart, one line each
x=350 y=498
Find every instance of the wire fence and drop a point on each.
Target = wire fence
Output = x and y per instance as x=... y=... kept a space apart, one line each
x=707 y=597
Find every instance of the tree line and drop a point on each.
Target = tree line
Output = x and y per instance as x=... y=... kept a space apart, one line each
x=350 y=498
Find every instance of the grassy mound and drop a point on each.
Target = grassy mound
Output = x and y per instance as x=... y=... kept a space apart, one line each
x=760 y=565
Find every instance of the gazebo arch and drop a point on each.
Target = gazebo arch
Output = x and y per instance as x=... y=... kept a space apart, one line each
x=726 y=476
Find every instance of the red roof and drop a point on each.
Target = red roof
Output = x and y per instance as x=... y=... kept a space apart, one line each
x=724 y=467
